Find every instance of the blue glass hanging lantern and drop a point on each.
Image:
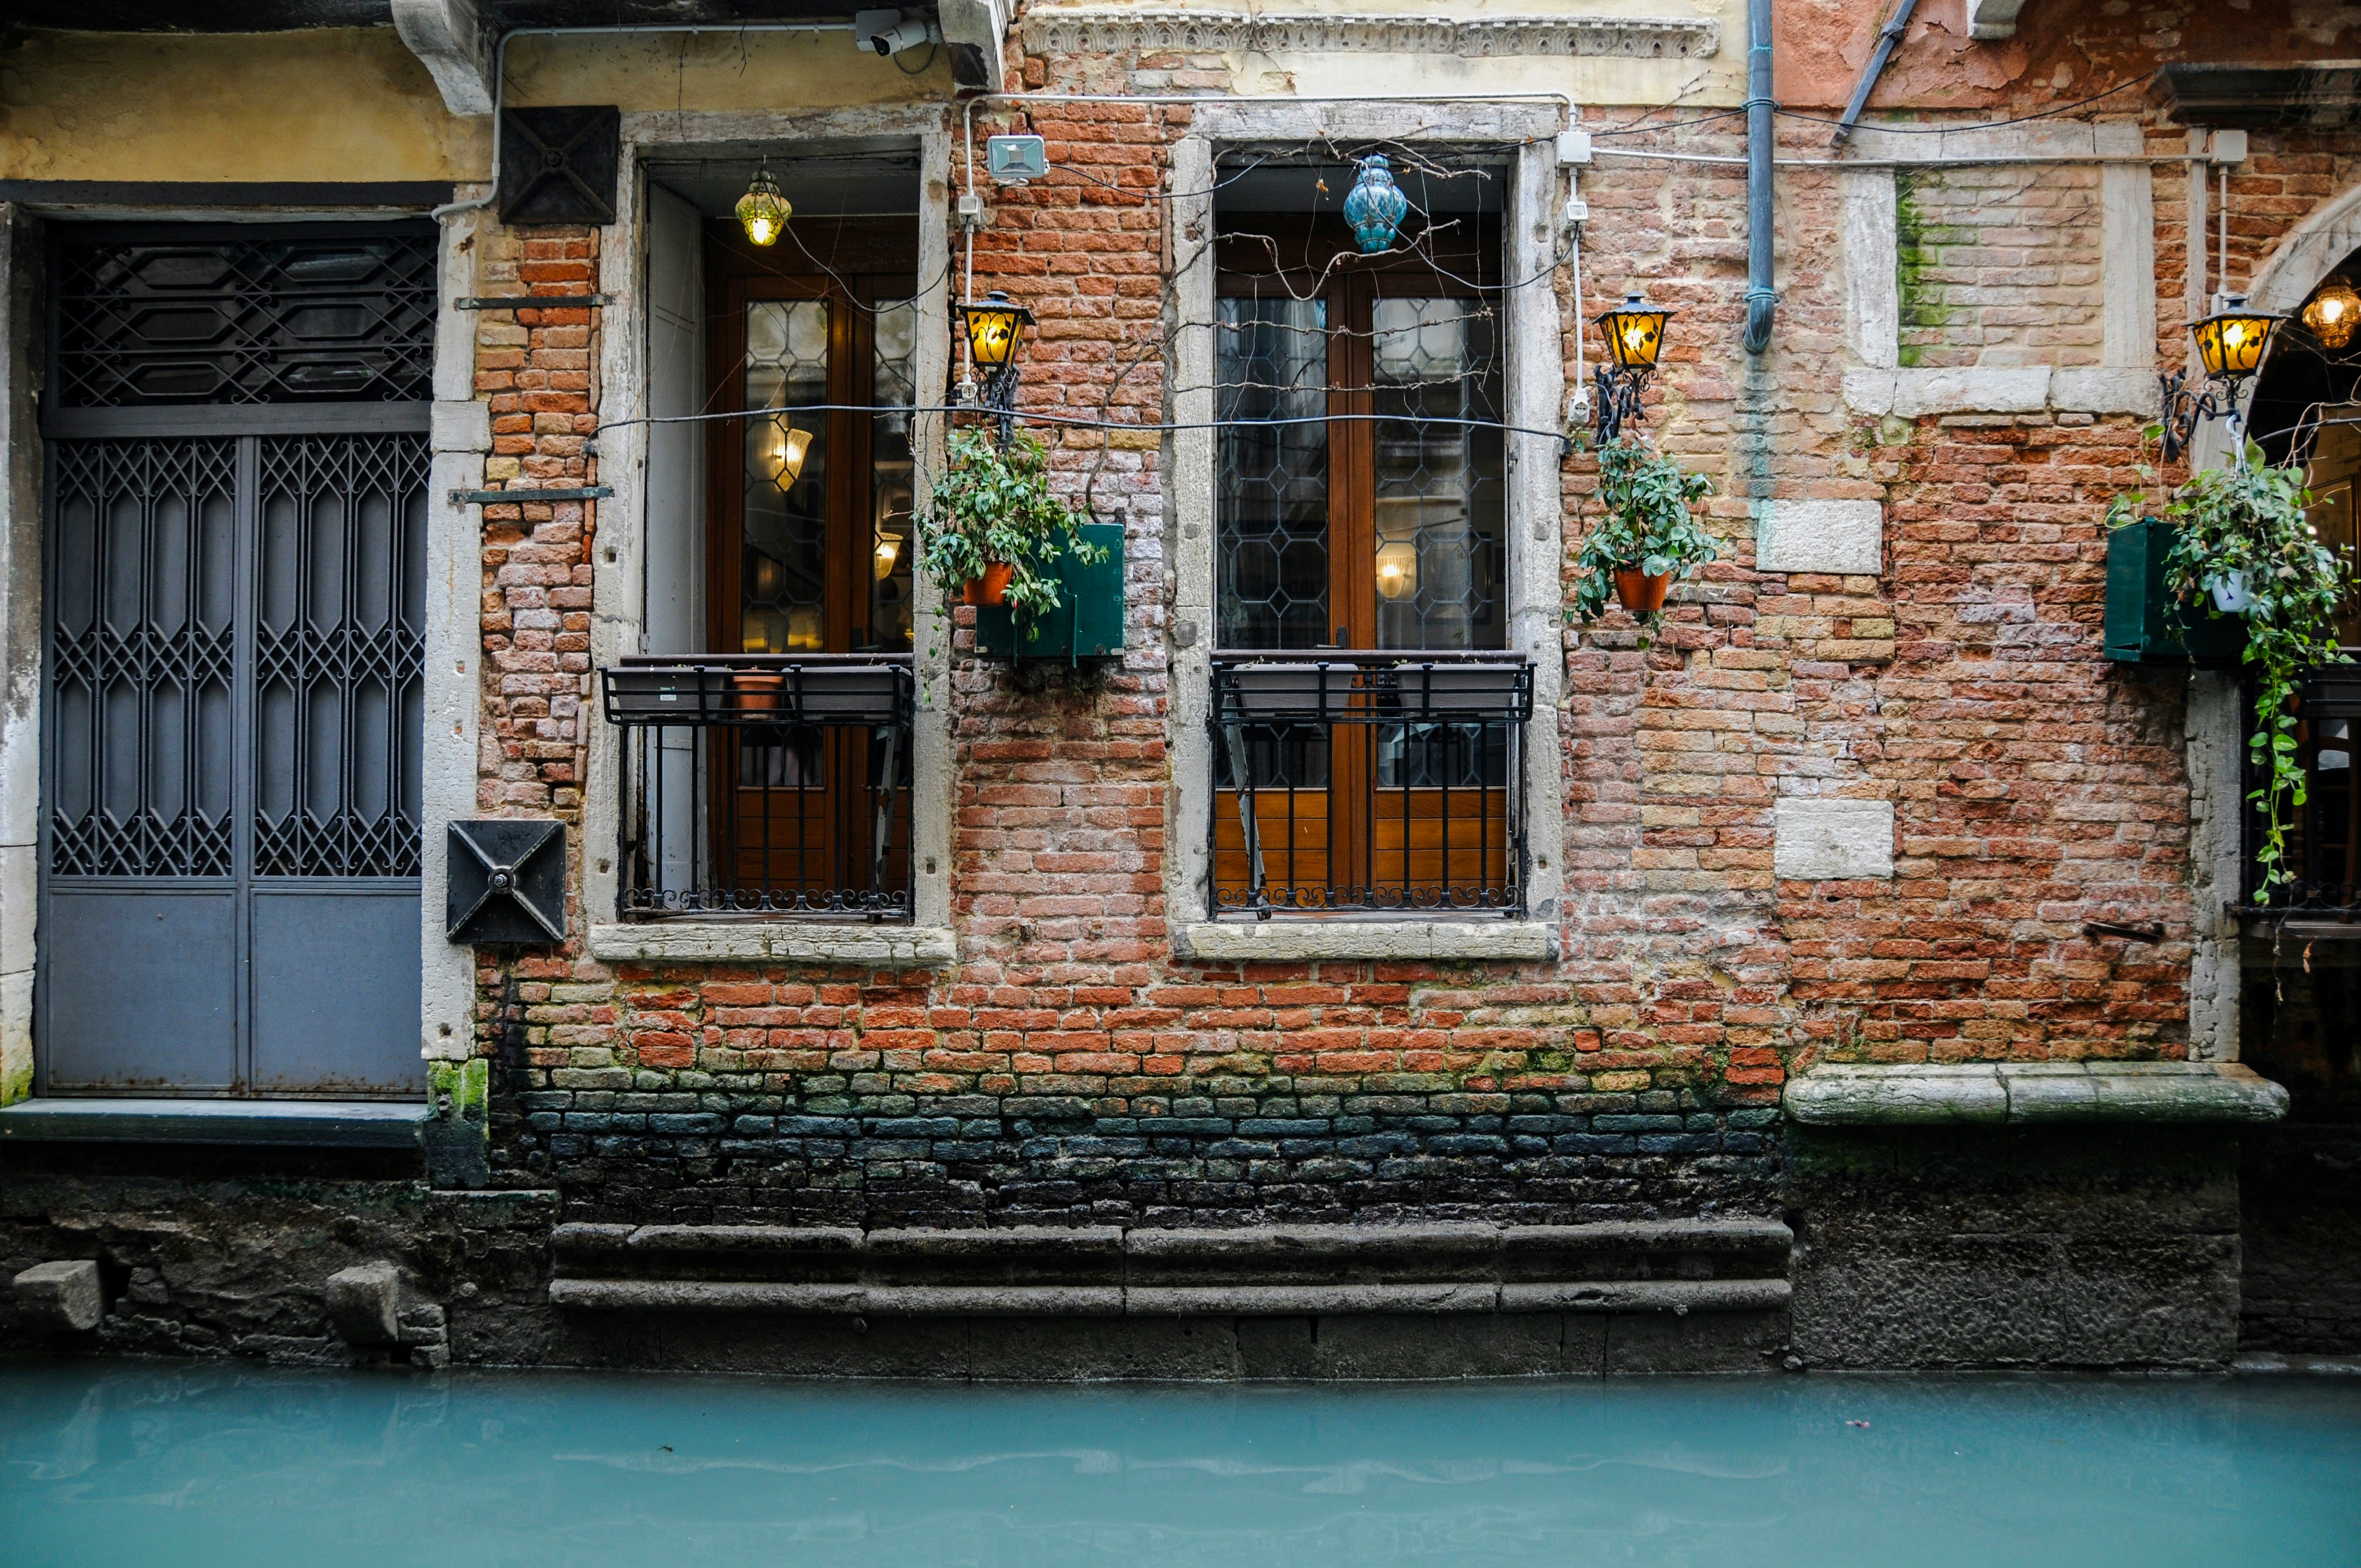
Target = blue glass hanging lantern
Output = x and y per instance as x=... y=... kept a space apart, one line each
x=1376 y=206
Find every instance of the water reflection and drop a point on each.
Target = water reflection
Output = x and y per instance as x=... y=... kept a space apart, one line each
x=207 y=1465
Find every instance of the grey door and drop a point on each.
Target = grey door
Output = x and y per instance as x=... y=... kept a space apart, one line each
x=234 y=685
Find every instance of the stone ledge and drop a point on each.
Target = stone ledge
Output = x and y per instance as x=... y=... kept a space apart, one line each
x=775 y=941
x=1283 y=940
x=1909 y=393
x=2025 y=1094
x=316 y=1123
x=1677 y=1297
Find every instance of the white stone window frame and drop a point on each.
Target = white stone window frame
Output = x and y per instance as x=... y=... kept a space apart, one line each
x=1875 y=380
x=620 y=576
x=1534 y=395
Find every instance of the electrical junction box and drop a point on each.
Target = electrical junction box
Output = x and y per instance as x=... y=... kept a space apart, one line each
x=1012 y=161
x=2226 y=147
x=1574 y=147
x=1088 y=621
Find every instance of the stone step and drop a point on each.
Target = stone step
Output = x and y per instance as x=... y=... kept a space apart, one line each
x=1676 y=1266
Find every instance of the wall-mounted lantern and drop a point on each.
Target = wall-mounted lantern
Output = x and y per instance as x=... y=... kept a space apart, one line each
x=1634 y=332
x=2332 y=313
x=2230 y=344
x=762 y=211
x=1376 y=205
x=996 y=339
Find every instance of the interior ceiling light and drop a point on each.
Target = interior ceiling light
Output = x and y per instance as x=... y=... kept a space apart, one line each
x=1376 y=205
x=789 y=447
x=761 y=210
x=2333 y=312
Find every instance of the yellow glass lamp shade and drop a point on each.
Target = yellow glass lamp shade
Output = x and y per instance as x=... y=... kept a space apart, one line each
x=889 y=550
x=994 y=329
x=788 y=447
x=2333 y=314
x=2231 y=341
x=1634 y=331
x=762 y=211
x=1397 y=569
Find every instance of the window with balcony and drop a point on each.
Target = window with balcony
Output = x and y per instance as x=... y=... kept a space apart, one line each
x=1368 y=711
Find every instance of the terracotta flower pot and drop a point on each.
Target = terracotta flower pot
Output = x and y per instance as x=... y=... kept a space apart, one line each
x=758 y=689
x=992 y=586
x=1642 y=593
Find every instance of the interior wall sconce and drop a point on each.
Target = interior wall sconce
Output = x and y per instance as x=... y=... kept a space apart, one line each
x=762 y=211
x=1376 y=205
x=995 y=340
x=1634 y=332
x=790 y=444
x=2230 y=345
x=1397 y=569
x=2333 y=314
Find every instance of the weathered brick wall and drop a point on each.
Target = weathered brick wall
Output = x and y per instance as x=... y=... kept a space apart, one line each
x=1999 y=265
x=1068 y=1068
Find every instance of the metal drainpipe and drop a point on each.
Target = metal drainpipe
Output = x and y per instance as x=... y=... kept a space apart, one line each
x=1887 y=37
x=1762 y=299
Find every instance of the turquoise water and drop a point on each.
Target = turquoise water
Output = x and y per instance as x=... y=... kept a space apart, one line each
x=169 y=1465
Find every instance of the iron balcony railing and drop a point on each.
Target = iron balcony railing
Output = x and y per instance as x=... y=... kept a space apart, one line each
x=2324 y=844
x=764 y=784
x=1369 y=783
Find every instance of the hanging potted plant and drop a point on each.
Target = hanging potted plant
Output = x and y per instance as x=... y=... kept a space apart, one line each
x=1647 y=536
x=2243 y=544
x=994 y=532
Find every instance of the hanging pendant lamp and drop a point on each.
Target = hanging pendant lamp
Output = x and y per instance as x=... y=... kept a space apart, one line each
x=761 y=210
x=1376 y=205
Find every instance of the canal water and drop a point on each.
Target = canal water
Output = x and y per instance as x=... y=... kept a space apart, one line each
x=180 y=1466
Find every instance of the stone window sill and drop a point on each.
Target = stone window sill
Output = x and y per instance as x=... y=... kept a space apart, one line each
x=2021 y=1094
x=284 y=1123
x=1283 y=940
x=774 y=941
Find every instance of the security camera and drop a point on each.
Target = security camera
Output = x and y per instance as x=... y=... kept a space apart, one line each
x=890 y=32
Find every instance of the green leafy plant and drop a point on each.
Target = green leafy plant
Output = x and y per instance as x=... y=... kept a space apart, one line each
x=2248 y=525
x=992 y=507
x=1647 y=526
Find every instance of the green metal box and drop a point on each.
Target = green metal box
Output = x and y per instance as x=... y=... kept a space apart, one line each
x=1088 y=621
x=2138 y=627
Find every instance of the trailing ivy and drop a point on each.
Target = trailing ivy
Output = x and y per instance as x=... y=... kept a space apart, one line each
x=991 y=506
x=2249 y=521
x=1647 y=527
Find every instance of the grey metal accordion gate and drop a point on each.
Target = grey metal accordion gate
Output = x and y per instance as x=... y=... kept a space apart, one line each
x=233 y=677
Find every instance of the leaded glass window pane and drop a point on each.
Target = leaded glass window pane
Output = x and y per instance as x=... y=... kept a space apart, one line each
x=1272 y=367
x=783 y=579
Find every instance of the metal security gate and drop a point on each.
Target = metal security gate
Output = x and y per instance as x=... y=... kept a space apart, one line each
x=232 y=720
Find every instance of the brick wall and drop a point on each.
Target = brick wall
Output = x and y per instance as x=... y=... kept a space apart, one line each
x=1068 y=1068
x=1999 y=265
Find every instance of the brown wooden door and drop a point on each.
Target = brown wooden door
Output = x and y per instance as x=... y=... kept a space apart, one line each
x=1404 y=356
x=811 y=549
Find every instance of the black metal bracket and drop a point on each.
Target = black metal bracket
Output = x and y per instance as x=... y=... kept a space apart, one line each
x=1618 y=402
x=2122 y=931
x=505 y=882
x=2185 y=409
x=505 y=498
x=999 y=396
x=530 y=302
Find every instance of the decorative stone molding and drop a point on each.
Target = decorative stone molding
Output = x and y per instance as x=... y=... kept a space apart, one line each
x=780 y=941
x=1222 y=32
x=449 y=39
x=2014 y=1093
x=1815 y=840
x=1992 y=18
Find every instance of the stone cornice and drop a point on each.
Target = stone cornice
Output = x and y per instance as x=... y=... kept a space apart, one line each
x=1059 y=31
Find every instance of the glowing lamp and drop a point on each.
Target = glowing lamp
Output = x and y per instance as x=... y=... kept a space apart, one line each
x=2333 y=314
x=1397 y=569
x=789 y=446
x=2231 y=341
x=994 y=329
x=762 y=211
x=1634 y=331
x=1376 y=205
x=889 y=550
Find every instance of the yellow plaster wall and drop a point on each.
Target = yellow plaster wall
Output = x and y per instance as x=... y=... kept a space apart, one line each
x=344 y=104
x=354 y=104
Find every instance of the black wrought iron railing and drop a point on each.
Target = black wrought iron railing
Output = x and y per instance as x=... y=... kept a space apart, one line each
x=1369 y=783
x=2323 y=841
x=764 y=784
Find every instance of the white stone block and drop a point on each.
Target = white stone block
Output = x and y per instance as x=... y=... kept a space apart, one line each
x=1976 y=389
x=462 y=424
x=1817 y=839
x=1844 y=537
x=2101 y=392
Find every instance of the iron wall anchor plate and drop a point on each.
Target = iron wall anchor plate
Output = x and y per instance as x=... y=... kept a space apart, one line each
x=505 y=882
